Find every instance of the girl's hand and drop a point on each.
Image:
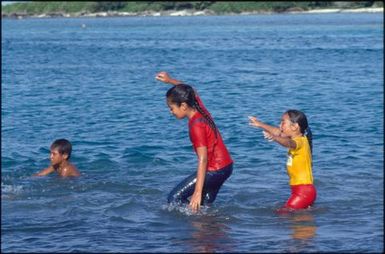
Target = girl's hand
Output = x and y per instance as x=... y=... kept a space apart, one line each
x=268 y=136
x=254 y=122
x=164 y=77
x=195 y=202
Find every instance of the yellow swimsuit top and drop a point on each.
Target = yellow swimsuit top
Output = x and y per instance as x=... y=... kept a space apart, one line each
x=299 y=162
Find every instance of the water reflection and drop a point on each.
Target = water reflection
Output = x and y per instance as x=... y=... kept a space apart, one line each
x=303 y=230
x=210 y=234
x=303 y=226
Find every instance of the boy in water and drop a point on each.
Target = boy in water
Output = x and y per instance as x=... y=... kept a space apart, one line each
x=60 y=154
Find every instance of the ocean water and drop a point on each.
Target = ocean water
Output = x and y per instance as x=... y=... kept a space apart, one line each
x=91 y=80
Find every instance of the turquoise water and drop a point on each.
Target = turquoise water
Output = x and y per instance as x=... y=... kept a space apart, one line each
x=92 y=81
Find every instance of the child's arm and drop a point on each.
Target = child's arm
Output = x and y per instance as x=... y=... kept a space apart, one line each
x=45 y=171
x=196 y=198
x=273 y=133
x=271 y=129
x=166 y=78
x=280 y=139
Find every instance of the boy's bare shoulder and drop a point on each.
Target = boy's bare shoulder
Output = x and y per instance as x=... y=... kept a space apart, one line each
x=70 y=170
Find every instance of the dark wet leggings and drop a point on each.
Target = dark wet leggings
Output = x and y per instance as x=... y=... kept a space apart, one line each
x=212 y=184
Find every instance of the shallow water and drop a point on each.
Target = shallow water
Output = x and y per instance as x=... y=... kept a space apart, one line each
x=95 y=86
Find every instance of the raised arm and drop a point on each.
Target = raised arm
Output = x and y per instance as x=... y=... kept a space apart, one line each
x=45 y=171
x=166 y=78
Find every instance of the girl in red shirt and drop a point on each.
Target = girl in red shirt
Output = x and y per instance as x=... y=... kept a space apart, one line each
x=214 y=161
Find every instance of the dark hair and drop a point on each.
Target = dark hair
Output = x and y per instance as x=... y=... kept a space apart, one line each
x=63 y=146
x=299 y=117
x=185 y=93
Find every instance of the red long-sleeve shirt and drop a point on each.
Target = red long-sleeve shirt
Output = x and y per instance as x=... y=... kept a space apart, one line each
x=201 y=134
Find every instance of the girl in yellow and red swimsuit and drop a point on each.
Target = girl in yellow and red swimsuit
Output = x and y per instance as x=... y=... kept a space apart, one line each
x=294 y=133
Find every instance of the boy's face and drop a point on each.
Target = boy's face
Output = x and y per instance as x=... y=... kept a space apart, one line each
x=56 y=157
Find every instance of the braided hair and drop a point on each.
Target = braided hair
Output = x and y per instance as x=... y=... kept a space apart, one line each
x=299 y=117
x=185 y=93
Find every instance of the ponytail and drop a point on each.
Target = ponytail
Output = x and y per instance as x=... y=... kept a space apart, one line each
x=309 y=136
x=210 y=121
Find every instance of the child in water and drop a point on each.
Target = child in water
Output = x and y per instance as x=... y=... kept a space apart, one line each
x=60 y=154
x=294 y=133
x=214 y=161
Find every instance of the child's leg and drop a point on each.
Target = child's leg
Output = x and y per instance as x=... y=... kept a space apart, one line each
x=183 y=190
x=213 y=182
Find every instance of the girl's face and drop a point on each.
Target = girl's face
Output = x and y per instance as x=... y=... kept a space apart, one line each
x=178 y=111
x=288 y=127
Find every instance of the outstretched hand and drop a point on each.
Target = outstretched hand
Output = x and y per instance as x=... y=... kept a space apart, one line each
x=253 y=121
x=268 y=136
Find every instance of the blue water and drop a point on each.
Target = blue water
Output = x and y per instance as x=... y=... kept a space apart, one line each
x=92 y=81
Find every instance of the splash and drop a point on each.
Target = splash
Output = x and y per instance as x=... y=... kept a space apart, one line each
x=10 y=191
x=184 y=208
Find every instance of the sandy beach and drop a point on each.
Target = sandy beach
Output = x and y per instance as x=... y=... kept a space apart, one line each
x=183 y=13
x=345 y=10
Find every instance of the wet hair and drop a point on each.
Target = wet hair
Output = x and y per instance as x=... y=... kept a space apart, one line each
x=185 y=93
x=299 y=117
x=63 y=146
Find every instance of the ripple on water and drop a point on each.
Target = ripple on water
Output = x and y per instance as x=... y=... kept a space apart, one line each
x=96 y=87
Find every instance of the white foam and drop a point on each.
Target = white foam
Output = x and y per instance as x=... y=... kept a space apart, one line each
x=8 y=191
x=13 y=189
x=186 y=210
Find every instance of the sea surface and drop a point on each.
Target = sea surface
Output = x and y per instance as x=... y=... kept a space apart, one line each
x=92 y=81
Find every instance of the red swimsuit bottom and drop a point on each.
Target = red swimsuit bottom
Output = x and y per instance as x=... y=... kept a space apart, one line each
x=302 y=196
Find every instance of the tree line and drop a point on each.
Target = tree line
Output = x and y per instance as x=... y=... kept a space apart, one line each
x=219 y=7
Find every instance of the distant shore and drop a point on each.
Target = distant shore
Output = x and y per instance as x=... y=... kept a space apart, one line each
x=183 y=13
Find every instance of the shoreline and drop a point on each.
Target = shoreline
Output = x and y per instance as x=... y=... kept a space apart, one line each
x=184 y=13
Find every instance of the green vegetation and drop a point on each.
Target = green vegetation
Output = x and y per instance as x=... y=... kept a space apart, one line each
x=35 y=8
x=219 y=7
